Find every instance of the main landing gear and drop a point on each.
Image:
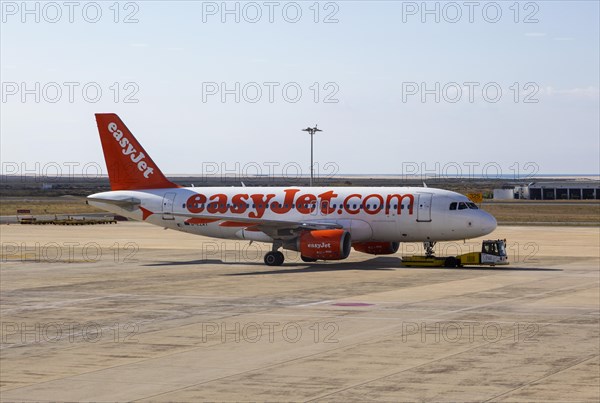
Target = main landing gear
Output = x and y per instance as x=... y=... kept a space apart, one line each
x=275 y=258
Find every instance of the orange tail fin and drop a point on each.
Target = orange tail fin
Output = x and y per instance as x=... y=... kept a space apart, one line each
x=129 y=165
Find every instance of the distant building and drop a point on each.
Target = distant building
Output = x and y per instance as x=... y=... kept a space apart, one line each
x=504 y=194
x=559 y=190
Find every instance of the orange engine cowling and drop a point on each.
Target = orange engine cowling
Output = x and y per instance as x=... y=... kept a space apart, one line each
x=329 y=244
x=377 y=248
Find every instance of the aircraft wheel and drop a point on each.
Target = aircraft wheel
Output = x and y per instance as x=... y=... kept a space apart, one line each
x=308 y=259
x=274 y=259
x=280 y=258
x=450 y=262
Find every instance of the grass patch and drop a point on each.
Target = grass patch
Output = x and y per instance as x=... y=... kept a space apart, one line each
x=43 y=207
x=544 y=213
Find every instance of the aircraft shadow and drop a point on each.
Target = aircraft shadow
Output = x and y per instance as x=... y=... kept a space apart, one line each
x=377 y=263
x=200 y=262
x=316 y=267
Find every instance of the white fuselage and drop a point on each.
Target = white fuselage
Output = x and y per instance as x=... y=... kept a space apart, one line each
x=397 y=214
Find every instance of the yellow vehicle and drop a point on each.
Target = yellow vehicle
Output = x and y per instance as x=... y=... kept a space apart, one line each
x=493 y=252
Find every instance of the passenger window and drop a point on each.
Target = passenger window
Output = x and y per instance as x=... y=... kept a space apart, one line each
x=462 y=206
x=453 y=206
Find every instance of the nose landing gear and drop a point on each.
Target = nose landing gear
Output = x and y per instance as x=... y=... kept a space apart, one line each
x=429 y=248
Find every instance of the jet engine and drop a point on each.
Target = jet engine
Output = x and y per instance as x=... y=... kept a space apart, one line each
x=330 y=244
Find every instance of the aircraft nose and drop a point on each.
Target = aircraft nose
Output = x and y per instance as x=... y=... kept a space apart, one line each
x=487 y=223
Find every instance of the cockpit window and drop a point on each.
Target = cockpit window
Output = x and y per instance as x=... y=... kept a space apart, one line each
x=462 y=206
x=453 y=206
x=473 y=206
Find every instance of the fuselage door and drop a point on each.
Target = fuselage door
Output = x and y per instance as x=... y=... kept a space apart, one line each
x=167 y=206
x=424 y=207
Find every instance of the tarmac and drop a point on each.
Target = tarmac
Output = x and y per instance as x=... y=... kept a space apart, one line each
x=133 y=312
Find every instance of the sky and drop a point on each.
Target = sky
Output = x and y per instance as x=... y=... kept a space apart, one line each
x=483 y=88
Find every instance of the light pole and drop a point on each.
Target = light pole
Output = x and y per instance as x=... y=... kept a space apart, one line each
x=311 y=131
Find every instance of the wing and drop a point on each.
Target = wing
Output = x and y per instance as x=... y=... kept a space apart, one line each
x=276 y=229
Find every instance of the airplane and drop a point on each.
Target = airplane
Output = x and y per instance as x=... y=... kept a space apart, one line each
x=322 y=223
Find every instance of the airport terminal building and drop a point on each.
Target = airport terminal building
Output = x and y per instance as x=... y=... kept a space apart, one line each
x=559 y=190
